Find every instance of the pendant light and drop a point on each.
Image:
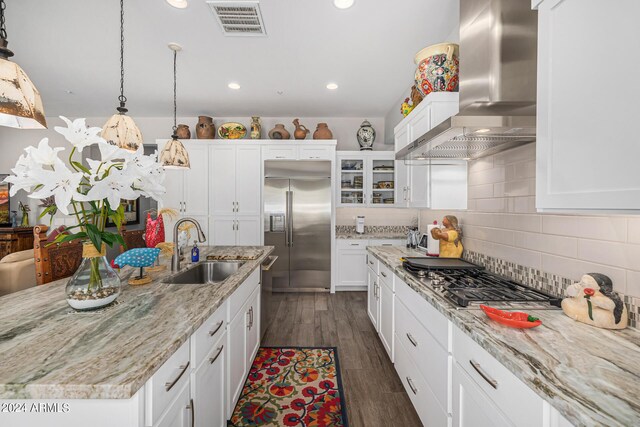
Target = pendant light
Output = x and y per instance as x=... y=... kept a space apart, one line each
x=20 y=102
x=174 y=155
x=120 y=129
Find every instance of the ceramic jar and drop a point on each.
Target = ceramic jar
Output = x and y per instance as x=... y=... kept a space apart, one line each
x=256 y=128
x=322 y=132
x=183 y=132
x=438 y=67
x=301 y=131
x=279 y=132
x=366 y=136
x=205 y=129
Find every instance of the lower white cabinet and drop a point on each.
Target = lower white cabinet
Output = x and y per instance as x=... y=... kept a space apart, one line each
x=180 y=413
x=373 y=302
x=237 y=366
x=386 y=318
x=208 y=388
x=351 y=261
x=471 y=406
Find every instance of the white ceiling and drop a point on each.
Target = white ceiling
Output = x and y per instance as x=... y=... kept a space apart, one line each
x=73 y=45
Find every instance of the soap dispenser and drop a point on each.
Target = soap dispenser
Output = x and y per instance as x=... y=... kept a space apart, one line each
x=195 y=252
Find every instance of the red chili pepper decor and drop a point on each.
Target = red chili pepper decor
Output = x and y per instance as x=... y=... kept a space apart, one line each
x=514 y=319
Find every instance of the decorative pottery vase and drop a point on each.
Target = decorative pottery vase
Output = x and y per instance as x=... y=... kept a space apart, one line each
x=256 y=127
x=438 y=67
x=95 y=284
x=366 y=136
x=279 y=132
x=301 y=131
x=322 y=132
x=183 y=132
x=205 y=129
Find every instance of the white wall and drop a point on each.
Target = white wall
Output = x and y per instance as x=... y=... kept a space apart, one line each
x=502 y=222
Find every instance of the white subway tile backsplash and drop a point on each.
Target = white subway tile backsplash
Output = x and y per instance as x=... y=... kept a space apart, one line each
x=497 y=235
x=480 y=191
x=521 y=170
x=600 y=228
x=558 y=245
x=491 y=205
x=633 y=284
x=574 y=269
x=481 y=164
x=488 y=176
x=634 y=231
x=610 y=253
x=520 y=187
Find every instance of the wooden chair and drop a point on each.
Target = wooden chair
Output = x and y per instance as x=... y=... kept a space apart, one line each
x=57 y=261
x=133 y=239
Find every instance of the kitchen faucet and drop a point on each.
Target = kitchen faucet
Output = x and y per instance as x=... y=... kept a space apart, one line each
x=175 y=260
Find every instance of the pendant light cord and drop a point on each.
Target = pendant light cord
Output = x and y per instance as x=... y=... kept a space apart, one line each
x=175 y=101
x=3 y=29
x=121 y=98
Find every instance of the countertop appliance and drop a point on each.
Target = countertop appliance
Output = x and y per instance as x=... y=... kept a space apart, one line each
x=498 y=65
x=297 y=222
x=429 y=245
x=467 y=285
x=360 y=224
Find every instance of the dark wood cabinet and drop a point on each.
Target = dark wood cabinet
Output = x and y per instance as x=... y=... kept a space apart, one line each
x=15 y=239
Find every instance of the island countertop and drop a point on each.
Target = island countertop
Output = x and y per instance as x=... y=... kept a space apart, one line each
x=590 y=375
x=50 y=351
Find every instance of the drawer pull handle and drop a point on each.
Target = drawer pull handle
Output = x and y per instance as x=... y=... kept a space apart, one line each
x=214 y=358
x=493 y=383
x=216 y=329
x=413 y=340
x=371 y=262
x=387 y=244
x=383 y=275
x=192 y=409
x=412 y=386
x=183 y=368
x=355 y=244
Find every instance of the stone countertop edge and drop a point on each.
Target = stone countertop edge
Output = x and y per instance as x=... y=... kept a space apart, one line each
x=590 y=375
x=50 y=351
x=373 y=235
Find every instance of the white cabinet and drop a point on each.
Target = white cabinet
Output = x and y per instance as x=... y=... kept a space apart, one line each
x=235 y=201
x=471 y=407
x=366 y=178
x=351 y=264
x=180 y=412
x=237 y=366
x=586 y=149
x=253 y=328
x=386 y=319
x=373 y=302
x=208 y=387
x=303 y=150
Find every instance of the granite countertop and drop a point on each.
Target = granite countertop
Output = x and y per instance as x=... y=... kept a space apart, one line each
x=590 y=375
x=371 y=235
x=50 y=351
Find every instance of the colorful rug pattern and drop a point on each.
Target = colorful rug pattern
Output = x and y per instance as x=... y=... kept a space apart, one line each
x=293 y=387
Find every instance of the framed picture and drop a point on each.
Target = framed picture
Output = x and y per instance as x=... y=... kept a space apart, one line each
x=5 y=205
x=131 y=213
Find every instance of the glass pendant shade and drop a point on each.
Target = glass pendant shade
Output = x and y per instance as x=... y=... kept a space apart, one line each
x=20 y=102
x=122 y=131
x=174 y=155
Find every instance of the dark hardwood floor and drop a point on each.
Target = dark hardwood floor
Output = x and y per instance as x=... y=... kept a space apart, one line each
x=373 y=392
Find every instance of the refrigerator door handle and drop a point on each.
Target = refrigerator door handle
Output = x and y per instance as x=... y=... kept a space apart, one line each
x=290 y=217
x=286 y=219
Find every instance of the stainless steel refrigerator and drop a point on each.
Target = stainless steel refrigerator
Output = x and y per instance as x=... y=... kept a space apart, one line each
x=297 y=221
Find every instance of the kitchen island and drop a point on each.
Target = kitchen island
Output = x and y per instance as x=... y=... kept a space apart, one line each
x=590 y=376
x=50 y=351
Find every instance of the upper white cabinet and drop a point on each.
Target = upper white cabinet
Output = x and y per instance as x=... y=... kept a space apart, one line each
x=435 y=184
x=367 y=178
x=586 y=146
x=303 y=150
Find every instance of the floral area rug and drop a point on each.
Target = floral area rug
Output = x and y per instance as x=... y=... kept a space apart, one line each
x=296 y=387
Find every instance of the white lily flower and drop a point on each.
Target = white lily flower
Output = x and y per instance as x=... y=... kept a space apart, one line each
x=78 y=134
x=61 y=183
x=109 y=152
x=43 y=155
x=21 y=178
x=114 y=187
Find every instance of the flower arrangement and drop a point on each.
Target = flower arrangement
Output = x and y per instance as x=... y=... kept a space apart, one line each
x=91 y=191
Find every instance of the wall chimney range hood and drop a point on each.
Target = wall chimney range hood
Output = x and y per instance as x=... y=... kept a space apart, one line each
x=498 y=65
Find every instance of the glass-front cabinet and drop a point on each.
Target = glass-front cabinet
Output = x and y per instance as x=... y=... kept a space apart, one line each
x=366 y=178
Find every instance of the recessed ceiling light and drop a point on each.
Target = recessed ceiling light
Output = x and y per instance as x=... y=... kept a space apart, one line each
x=68 y=92
x=343 y=4
x=234 y=86
x=483 y=130
x=180 y=4
x=332 y=86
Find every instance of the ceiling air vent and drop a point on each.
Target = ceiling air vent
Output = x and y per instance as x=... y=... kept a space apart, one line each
x=239 y=18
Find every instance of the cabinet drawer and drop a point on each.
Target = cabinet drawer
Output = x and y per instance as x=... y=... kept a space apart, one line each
x=165 y=385
x=352 y=244
x=484 y=369
x=387 y=242
x=428 y=355
x=386 y=275
x=280 y=152
x=372 y=263
x=242 y=294
x=316 y=153
x=425 y=313
x=423 y=399
x=207 y=335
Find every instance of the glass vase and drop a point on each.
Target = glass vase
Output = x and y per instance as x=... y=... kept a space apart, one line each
x=95 y=284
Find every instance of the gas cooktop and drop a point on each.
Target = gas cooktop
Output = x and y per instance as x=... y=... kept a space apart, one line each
x=472 y=285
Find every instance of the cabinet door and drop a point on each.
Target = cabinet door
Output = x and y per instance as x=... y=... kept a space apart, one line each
x=248 y=231
x=253 y=328
x=418 y=193
x=420 y=124
x=352 y=267
x=280 y=152
x=317 y=153
x=208 y=388
x=173 y=198
x=471 y=407
x=179 y=413
x=222 y=180
x=372 y=297
x=402 y=184
x=381 y=179
x=236 y=356
x=401 y=136
x=387 y=305
x=248 y=181
x=586 y=156
x=351 y=170
x=196 y=183
x=223 y=231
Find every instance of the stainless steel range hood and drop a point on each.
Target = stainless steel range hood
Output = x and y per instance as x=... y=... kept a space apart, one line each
x=498 y=46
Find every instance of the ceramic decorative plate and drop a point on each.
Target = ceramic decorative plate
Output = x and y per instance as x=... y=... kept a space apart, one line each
x=232 y=130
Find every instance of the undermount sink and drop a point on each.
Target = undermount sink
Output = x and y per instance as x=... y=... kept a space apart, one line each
x=205 y=272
